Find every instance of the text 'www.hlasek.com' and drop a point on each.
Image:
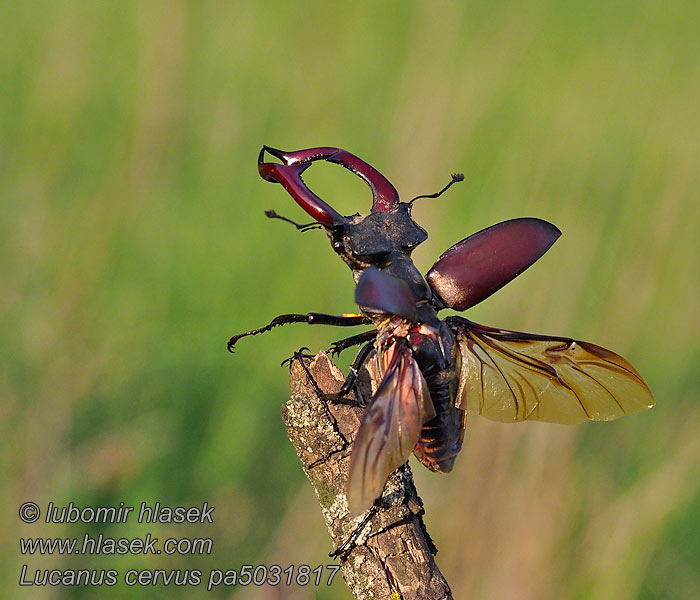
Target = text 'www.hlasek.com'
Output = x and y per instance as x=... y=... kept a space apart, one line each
x=132 y=517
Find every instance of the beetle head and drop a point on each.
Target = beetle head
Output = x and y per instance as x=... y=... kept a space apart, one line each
x=381 y=233
x=361 y=240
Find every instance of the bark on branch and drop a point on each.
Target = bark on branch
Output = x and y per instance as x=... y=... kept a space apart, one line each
x=393 y=557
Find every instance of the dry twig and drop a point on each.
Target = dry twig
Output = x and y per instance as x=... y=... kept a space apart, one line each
x=393 y=557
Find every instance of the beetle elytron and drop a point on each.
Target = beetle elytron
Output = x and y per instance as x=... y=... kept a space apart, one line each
x=431 y=372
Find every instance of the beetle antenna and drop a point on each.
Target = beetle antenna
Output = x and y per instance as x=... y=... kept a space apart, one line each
x=271 y=214
x=455 y=178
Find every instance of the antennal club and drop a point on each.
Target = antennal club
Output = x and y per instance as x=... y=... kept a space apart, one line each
x=455 y=178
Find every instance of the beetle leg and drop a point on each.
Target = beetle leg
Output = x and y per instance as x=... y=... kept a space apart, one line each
x=296 y=355
x=350 y=380
x=310 y=318
x=319 y=393
x=349 y=383
x=355 y=340
x=344 y=549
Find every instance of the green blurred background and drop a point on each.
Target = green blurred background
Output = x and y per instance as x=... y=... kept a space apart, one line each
x=134 y=244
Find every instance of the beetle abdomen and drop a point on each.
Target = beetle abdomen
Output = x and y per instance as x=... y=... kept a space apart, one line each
x=441 y=438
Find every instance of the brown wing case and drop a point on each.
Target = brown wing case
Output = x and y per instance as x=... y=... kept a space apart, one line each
x=483 y=263
x=511 y=376
x=390 y=427
x=385 y=292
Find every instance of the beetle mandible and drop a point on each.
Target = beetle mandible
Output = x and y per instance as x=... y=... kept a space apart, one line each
x=430 y=371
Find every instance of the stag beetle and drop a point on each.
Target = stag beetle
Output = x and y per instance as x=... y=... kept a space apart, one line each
x=431 y=372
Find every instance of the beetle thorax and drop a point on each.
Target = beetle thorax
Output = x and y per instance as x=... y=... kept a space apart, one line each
x=368 y=240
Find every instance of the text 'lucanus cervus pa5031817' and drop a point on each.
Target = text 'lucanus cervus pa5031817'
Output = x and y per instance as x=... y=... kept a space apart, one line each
x=432 y=372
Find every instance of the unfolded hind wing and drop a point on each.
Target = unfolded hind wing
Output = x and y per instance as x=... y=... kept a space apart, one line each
x=514 y=376
x=390 y=427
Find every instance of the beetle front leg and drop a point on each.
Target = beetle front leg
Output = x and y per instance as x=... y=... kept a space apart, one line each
x=310 y=318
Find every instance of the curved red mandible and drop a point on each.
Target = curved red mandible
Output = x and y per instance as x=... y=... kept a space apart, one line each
x=295 y=163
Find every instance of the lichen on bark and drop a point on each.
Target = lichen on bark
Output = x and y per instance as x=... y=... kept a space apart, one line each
x=393 y=556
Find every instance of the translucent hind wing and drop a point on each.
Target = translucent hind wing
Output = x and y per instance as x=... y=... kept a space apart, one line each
x=390 y=427
x=512 y=376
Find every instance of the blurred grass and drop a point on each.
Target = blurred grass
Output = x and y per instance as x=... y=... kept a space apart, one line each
x=133 y=245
